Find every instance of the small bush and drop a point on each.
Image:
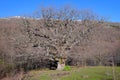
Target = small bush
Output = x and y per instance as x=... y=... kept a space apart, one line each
x=6 y=70
x=67 y=68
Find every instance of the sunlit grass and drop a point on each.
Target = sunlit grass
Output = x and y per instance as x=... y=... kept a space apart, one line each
x=88 y=73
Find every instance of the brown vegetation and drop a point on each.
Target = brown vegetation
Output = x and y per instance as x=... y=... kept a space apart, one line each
x=51 y=36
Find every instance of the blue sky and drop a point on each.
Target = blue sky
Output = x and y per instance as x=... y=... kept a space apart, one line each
x=108 y=8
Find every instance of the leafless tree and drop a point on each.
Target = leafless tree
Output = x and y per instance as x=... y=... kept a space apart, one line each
x=57 y=30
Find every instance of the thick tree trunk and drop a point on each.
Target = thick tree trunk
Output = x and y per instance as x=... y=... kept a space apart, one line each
x=60 y=66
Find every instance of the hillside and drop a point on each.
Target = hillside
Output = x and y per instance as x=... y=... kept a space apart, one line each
x=29 y=44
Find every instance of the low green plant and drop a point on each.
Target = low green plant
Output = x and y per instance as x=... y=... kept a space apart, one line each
x=1 y=61
x=67 y=68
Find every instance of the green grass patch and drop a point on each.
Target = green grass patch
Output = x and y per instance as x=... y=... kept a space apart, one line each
x=67 y=68
x=75 y=73
x=93 y=73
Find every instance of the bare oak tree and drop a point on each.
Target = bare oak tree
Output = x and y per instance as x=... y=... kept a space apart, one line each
x=57 y=31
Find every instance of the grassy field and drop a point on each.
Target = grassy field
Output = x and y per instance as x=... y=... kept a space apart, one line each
x=88 y=73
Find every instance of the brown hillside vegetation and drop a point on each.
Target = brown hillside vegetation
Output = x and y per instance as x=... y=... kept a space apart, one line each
x=30 y=43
